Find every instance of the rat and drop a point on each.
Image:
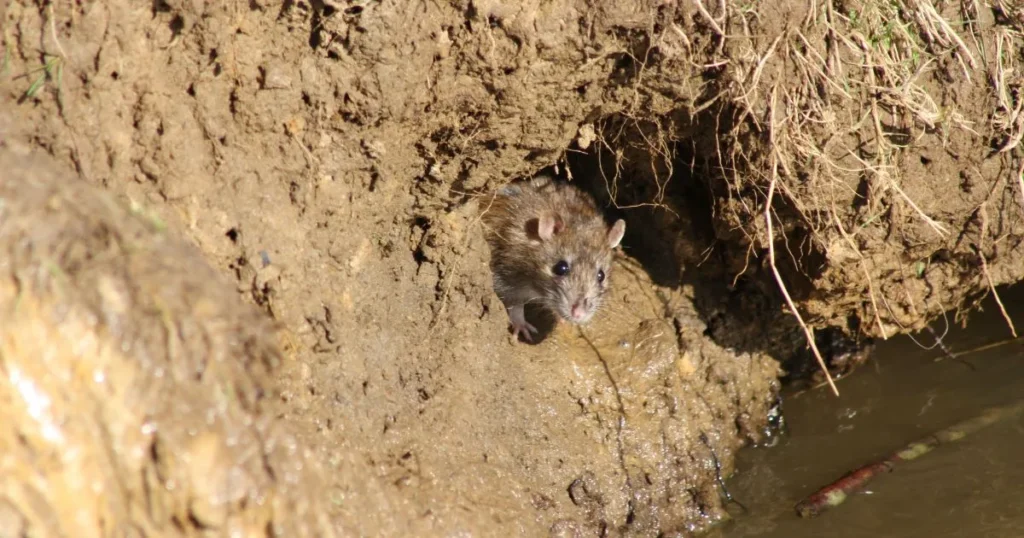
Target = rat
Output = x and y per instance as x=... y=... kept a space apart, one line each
x=550 y=245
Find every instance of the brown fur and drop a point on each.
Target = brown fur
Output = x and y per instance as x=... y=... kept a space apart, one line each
x=522 y=262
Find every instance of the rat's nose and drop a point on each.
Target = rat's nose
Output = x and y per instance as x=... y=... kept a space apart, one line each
x=579 y=310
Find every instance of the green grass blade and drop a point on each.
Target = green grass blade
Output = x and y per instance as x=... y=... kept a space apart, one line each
x=36 y=84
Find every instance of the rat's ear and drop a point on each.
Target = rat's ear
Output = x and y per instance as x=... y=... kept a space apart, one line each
x=545 y=226
x=615 y=234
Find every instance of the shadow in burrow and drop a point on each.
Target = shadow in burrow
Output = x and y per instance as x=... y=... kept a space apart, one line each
x=676 y=231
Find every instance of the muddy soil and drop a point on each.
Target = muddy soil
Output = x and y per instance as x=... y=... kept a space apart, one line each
x=330 y=158
x=135 y=382
x=167 y=402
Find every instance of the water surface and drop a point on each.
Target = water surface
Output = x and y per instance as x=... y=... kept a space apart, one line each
x=970 y=488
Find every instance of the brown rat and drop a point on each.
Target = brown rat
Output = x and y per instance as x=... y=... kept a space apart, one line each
x=550 y=245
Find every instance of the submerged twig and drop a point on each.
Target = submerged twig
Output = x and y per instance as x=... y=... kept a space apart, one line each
x=938 y=342
x=836 y=493
x=984 y=347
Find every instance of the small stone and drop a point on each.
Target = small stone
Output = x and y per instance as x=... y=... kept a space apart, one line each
x=444 y=44
x=375 y=149
x=275 y=78
x=355 y=262
x=565 y=528
x=295 y=125
x=586 y=136
x=685 y=365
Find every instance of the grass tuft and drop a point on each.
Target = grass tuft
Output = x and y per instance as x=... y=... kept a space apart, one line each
x=53 y=70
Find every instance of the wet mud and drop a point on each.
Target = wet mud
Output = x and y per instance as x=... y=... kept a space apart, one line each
x=328 y=161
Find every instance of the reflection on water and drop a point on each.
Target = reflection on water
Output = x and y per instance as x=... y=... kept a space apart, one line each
x=969 y=488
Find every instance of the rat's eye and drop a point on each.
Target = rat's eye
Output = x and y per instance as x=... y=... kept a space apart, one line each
x=600 y=275
x=561 y=268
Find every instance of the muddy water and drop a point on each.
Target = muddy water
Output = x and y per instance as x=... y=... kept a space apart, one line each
x=968 y=488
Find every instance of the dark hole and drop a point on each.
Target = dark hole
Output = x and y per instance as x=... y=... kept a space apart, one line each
x=232 y=234
x=316 y=31
x=177 y=25
x=419 y=256
x=863 y=190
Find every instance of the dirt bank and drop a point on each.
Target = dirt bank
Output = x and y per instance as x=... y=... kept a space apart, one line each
x=135 y=384
x=329 y=158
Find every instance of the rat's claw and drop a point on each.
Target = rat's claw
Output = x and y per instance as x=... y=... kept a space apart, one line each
x=520 y=326
x=524 y=329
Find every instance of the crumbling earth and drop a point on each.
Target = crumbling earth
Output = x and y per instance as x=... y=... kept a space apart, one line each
x=329 y=161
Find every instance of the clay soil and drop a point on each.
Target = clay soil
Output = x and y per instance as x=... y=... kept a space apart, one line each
x=261 y=219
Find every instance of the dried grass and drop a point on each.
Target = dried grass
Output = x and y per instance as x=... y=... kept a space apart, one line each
x=812 y=110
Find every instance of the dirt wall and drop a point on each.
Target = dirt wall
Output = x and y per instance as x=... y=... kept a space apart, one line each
x=329 y=158
x=134 y=382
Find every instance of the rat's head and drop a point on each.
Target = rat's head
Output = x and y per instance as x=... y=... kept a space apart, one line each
x=574 y=263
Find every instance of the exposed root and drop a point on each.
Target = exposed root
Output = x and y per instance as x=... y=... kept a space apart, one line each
x=656 y=147
x=1020 y=182
x=939 y=228
x=785 y=293
x=775 y=271
x=53 y=31
x=937 y=30
x=710 y=19
x=874 y=303
x=984 y=267
x=1009 y=116
x=861 y=88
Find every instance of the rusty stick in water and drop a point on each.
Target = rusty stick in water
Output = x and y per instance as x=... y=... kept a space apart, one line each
x=836 y=493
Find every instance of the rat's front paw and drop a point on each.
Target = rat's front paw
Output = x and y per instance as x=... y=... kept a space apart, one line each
x=525 y=329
